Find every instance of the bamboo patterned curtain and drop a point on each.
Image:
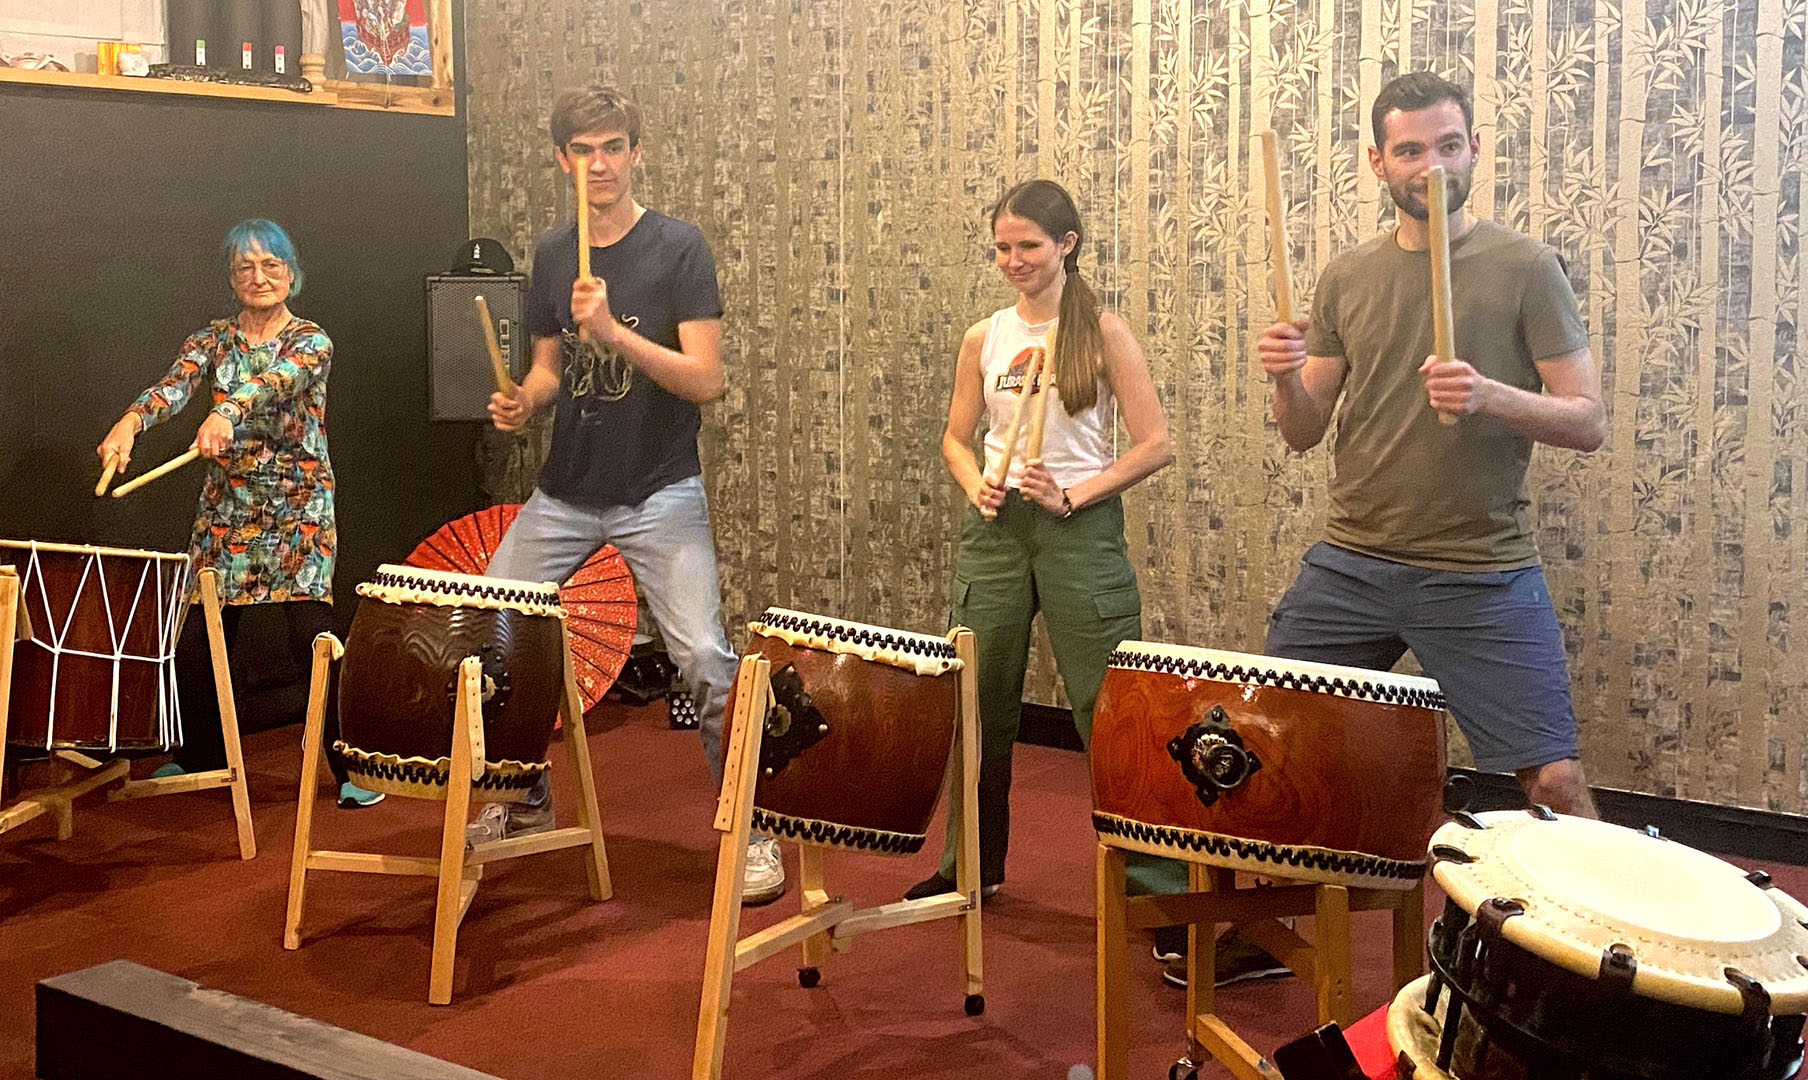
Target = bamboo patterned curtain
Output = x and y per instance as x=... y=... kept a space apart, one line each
x=841 y=154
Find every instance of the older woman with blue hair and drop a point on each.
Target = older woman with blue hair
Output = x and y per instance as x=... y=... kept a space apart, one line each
x=266 y=516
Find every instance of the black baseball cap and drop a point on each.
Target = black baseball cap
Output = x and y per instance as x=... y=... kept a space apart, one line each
x=482 y=255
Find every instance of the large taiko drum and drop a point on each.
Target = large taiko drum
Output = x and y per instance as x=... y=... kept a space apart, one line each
x=400 y=671
x=856 y=744
x=1571 y=948
x=97 y=672
x=1301 y=770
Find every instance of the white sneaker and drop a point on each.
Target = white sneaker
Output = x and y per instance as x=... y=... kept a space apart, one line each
x=490 y=825
x=764 y=880
x=499 y=820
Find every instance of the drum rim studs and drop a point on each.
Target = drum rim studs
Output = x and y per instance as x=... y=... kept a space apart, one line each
x=1618 y=966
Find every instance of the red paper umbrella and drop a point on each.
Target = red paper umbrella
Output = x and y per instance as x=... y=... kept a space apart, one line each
x=465 y=545
x=598 y=598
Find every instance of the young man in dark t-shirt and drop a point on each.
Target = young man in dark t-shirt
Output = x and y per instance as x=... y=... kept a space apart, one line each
x=625 y=356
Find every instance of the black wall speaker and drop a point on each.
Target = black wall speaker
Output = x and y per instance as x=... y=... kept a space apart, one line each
x=459 y=380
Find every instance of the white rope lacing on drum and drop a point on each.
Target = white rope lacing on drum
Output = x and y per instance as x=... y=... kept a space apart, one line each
x=93 y=569
x=35 y=573
x=169 y=623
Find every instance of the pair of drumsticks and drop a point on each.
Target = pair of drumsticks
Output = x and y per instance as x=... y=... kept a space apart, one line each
x=1437 y=199
x=111 y=465
x=580 y=180
x=1038 y=378
x=503 y=383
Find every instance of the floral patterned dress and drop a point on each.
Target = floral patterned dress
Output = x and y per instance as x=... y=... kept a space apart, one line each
x=266 y=515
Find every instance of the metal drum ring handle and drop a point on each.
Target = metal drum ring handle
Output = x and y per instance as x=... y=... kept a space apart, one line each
x=1212 y=756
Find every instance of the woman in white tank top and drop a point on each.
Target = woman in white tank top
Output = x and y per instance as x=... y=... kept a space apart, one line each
x=1049 y=535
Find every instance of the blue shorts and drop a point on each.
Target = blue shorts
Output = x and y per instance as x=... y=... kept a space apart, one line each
x=1489 y=638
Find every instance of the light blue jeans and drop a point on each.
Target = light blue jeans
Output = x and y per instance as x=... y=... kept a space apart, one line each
x=666 y=543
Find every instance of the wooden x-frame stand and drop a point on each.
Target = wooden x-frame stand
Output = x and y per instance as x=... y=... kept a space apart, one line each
x=1256 y=911
x=459 y=871
x=827 y=922
x=95 y=773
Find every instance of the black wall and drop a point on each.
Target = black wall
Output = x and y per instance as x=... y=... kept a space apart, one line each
x=112 y=208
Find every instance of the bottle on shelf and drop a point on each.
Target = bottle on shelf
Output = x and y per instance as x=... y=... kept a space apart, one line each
x=242 y=32
x=193 y=30
x=282 y=36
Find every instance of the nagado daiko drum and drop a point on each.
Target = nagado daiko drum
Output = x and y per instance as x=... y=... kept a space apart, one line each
x=1302 y=770
x=856 y=747
x=397 y=679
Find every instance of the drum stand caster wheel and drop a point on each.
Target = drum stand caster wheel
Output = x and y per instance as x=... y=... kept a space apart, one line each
x=976 y=1004
x=808 y=977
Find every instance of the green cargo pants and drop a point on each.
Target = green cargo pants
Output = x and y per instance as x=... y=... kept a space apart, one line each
x=1077 y=572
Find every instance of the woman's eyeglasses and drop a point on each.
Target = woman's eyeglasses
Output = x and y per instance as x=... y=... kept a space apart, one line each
x=271 y=268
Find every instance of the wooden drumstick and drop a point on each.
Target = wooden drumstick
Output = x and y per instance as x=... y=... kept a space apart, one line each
x=1280 y=254
x=1443 y=326
x=108 y=468
x=167 y=467
x=580 y=179
x=1032 y=446
x=504 y=384
x=1003 y=469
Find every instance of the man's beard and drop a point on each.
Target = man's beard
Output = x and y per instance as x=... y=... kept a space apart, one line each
x=1457 y=188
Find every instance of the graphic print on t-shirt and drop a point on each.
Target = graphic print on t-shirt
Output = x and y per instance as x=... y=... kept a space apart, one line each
x=1011 y=378
x=595 y=373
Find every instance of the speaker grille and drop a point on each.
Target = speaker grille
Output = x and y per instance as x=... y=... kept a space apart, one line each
x=459 y=382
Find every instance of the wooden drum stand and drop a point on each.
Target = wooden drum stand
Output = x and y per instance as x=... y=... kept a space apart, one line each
x=458 y=871
x=94 y=773
x=827 y=922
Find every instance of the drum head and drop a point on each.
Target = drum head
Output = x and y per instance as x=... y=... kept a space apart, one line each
x=1246 y=669
x=398 y=584
x=1588 y=886
x=921 y=654
x=1413 y=1033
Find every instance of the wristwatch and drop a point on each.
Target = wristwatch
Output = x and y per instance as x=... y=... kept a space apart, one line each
x=1066 y=505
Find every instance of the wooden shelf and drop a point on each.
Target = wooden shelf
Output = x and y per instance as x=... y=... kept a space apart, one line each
x=331 y=93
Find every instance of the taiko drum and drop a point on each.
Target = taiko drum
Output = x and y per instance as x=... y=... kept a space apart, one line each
x=1302 y=770
x=855 y=748
x=398 y=679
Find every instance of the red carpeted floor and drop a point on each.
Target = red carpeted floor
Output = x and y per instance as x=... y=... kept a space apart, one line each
x=552 y=985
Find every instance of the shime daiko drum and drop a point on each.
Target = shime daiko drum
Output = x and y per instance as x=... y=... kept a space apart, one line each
x=97 y=672
x=1305 y=771
x=1572 y=948
x=856 y=746
x=396 y=683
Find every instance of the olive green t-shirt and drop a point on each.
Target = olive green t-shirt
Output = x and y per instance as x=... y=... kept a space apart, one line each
x=1405 y=487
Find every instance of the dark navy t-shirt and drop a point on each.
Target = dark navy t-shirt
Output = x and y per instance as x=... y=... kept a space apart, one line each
x=618 y=436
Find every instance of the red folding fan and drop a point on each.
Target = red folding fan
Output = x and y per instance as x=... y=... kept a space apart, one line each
x=598 y=598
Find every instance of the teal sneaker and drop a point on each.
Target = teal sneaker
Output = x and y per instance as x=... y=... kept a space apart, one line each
x=168 y=768
x=353 y=797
